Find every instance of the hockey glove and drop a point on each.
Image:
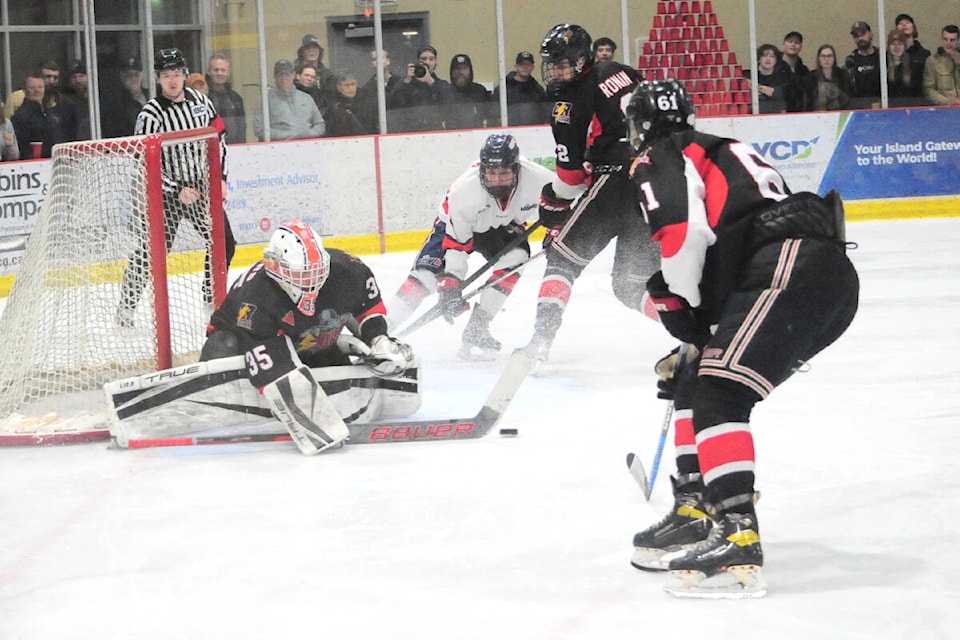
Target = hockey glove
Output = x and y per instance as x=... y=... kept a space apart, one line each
x=450 y=290
x=554 y=210
x=675 y=313
x=668 y=367
x=388 y=356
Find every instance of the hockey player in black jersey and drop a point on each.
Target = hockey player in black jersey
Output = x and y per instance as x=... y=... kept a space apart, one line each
x=591 y=200
x=757 y=281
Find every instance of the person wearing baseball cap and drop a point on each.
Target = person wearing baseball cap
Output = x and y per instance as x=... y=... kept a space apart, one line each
x=526 y=99
x=421 y=101
x=918 y=53
x=864 y=67
x=293 y=114
x=311 y=51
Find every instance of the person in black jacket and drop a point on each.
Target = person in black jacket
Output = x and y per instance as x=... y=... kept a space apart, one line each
x=123 y=100
x=526 y=99
x=344 y=117
x=420 y=98
x=471 y=100
x=229 y=103
x=35 y=122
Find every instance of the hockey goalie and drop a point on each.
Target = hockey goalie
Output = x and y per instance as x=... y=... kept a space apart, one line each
x=301 y=337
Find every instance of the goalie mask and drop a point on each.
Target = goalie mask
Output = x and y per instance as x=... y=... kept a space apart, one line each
x=500 y=165
x=297 y=261
x=566 y=53
x=657 y=109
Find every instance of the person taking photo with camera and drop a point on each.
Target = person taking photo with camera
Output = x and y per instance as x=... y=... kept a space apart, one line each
x=421 y=98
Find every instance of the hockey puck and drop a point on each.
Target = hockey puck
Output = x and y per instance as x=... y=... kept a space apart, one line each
x=509 y=432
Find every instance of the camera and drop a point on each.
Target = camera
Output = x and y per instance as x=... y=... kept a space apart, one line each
x=420 y=70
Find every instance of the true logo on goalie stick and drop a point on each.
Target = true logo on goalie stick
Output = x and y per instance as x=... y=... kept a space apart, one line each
x=443 y=431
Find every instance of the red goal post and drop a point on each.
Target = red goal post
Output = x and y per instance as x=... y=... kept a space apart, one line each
x=102 y=235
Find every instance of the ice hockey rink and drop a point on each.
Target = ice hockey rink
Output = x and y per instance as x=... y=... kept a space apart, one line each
x=527 y=538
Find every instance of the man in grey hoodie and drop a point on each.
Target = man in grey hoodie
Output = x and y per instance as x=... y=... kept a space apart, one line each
x=293 y=114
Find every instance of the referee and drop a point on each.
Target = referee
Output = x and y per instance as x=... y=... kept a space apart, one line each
x=177 y=108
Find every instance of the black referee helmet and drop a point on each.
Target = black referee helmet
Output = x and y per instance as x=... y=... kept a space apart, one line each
x=169 y=59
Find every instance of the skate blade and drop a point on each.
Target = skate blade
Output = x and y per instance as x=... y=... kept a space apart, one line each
x=477 y=354
x=647 y=559
x=735 y=583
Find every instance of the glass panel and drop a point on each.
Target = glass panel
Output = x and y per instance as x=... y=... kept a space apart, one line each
x=176 y=11
x=117 y=11
x=48 y=12
x=233 y=69
x=122 y=81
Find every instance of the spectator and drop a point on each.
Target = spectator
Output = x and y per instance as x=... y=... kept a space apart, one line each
x=199 y=82
x=293 y=114
x=76 y=101
x=343 y=116
x=229 y=103
x=305 y=80
x=9 y=149
x=918 y=53
x=864 y=68
x=798 y=84
x=421 y=94
x=604 y=49
x=771 y=79
x=470 y=99
x=831 y=83
x=311 y=51
x=941 y=76
x=35 y=122
x=369 y=110
x=526 y=99
x=122 y=102
x=50 y=72
x=904 y=86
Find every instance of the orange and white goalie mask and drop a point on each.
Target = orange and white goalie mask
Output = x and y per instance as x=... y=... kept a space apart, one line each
x=297 y=261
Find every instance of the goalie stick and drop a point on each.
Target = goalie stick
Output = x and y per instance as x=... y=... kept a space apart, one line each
x=633 y=462
x=437 y=310
x=478 y=426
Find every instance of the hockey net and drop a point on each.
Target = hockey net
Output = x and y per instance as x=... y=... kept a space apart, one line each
x=98 y=296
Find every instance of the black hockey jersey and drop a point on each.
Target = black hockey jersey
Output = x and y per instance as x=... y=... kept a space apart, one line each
x=700 y=193
x=588 y=121
x=257 y=309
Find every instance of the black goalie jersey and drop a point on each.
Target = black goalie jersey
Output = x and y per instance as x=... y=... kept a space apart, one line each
x=588 y=121
x=257 y=309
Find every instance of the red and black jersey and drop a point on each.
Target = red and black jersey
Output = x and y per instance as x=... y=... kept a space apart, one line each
x=700 y=193
x=257 y=309
x=588 y=121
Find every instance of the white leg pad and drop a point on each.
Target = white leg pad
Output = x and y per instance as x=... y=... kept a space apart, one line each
x=299 y=403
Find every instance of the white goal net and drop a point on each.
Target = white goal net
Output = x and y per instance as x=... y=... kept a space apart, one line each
x=97 y=296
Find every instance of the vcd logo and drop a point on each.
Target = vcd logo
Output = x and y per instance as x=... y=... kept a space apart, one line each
x=785 y=149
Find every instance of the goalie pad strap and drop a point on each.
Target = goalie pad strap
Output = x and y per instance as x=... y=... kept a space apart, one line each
x=299 y=403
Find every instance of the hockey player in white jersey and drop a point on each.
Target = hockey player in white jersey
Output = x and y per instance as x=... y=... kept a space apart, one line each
x=484 y=210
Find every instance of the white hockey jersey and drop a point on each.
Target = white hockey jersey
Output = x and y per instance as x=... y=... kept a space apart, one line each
x=468 y=208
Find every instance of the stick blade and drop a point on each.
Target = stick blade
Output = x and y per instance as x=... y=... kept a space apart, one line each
x=639 y=474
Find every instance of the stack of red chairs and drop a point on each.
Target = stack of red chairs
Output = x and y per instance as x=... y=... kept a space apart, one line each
x=687 y=44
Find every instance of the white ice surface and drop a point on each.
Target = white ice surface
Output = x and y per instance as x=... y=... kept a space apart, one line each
x=527 y=538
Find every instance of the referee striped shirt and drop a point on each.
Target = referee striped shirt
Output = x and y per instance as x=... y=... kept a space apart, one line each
x=183 y=165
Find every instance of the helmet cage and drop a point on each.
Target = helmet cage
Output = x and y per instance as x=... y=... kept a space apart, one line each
x=500 y=151
x=565 y=45
x=297 y=261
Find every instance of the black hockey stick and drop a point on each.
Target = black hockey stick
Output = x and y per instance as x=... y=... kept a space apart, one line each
x=633 y=462
x=478 y=426
x=437 y=310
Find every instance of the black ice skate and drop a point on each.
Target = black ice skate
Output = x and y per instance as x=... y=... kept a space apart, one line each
x=478 y=344
x=725 y=565
x=686 y=525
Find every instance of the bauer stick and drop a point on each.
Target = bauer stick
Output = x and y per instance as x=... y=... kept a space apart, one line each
x=633 y=462
x=437 y=310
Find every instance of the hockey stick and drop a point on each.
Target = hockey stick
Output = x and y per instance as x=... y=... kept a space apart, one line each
x=633 y=462
x=437 y=310
x=396 y=431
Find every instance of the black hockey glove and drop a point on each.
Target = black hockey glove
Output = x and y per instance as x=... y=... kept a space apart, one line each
x=668 y=369
x=450 y=290
x=675 y=313
x=554 y=210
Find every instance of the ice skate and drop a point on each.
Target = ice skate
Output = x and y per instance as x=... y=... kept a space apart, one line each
x=725 y=565
x=538 y=347
x=478 y=344
x=686 y=525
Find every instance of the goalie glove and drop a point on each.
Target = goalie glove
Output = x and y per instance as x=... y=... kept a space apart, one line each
x=388 y=356
x=669 y=366
x=450 y=291
x=676 y=314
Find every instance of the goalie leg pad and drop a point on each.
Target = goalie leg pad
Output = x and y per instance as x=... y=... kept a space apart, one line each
x=299 y=403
